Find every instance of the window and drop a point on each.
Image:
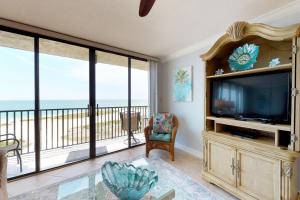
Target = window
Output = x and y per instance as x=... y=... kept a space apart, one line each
x=17 y=100
x=112 y=102
x=46 y=89
x=64 y=95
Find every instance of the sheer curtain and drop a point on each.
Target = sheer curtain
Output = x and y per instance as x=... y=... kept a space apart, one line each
x=153 y=87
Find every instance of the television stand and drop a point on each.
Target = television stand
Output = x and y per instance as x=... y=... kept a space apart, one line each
x=265 y=167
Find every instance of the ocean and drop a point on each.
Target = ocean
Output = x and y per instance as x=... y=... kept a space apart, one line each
x=55 y=104
x=58 y=104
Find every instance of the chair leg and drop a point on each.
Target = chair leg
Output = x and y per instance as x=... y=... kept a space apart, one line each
x=172 y=153
x=19 y=160
x=134 y=139
x=147 y=151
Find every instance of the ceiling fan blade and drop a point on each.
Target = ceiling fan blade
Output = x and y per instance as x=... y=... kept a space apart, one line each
x=145 y=7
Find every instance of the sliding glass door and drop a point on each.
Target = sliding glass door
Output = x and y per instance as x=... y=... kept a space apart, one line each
x=62 y=103
x=17 y=102
x=139 y=99
x=111 y=102
x=64 y=98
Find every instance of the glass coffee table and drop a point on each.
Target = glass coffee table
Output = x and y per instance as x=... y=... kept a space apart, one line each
x=88 y=187
x=103 y=193
x=92 y=187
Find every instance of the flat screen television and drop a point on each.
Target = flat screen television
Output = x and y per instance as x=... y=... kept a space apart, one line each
x=264 y=97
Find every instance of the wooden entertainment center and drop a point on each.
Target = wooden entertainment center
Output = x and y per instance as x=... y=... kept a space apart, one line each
x=265 y=167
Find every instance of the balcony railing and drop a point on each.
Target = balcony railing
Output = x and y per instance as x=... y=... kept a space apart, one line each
x=65 y=127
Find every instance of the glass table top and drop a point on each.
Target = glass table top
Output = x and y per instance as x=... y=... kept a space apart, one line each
x=91 y=187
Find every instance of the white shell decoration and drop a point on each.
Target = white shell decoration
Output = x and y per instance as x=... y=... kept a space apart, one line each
x=219 y=72
x=274 y=62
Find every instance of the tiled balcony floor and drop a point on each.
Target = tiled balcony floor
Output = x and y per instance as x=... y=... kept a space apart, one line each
x=61 y=156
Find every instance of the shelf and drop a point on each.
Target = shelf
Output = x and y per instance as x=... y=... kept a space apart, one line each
x=276 y=129
x=261 y=141
x=250 y=124
x=282 y=67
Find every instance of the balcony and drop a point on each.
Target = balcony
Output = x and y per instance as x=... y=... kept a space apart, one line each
x=65 y=134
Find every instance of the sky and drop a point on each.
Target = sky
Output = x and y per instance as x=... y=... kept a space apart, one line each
x=64 y=78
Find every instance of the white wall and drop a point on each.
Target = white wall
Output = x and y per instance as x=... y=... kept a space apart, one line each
x=190 y=114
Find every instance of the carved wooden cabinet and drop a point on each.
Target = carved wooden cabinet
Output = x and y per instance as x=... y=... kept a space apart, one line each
x=244 y=170
x=264 y=168
x=249 y=170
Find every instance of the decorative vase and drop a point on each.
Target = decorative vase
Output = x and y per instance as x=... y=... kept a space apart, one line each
x=126 y=181
x=243 y=57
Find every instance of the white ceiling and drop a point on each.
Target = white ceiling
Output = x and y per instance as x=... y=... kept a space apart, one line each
x=172 y=25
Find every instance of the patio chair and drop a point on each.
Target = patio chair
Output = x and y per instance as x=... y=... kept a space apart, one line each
x=9 y=143
x=135 y=123
x=3 y=175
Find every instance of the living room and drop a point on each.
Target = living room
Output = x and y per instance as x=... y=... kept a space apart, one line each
x=149 y=99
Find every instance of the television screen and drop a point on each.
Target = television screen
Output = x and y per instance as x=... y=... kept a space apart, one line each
x=261 y=97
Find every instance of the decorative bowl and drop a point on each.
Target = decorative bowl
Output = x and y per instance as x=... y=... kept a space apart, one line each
x=127 y=181
x=243 y=57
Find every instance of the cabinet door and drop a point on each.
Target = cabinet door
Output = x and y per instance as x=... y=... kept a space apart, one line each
x=221 y=162
x=258 y=176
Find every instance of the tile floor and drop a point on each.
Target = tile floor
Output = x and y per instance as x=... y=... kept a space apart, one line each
x=189 y=165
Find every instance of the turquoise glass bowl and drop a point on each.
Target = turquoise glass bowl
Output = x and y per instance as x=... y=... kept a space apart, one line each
x=126 y=181
x=243 y=57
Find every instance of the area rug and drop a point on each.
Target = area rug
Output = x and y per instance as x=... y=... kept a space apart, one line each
x=169 y=178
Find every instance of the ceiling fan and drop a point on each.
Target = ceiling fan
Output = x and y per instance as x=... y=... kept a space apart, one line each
x=145 y=7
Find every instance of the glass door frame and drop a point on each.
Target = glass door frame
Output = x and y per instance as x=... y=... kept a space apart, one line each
x=37 y=127
x=92 y=99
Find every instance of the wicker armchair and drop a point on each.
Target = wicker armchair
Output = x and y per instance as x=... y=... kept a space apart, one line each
x=164 y=145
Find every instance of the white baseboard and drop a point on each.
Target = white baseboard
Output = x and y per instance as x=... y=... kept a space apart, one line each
x=189 y=150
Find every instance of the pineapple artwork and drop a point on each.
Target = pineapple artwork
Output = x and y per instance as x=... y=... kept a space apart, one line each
x=183 y=84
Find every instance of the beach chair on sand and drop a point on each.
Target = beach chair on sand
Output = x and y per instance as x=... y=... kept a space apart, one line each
x=9 y=143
